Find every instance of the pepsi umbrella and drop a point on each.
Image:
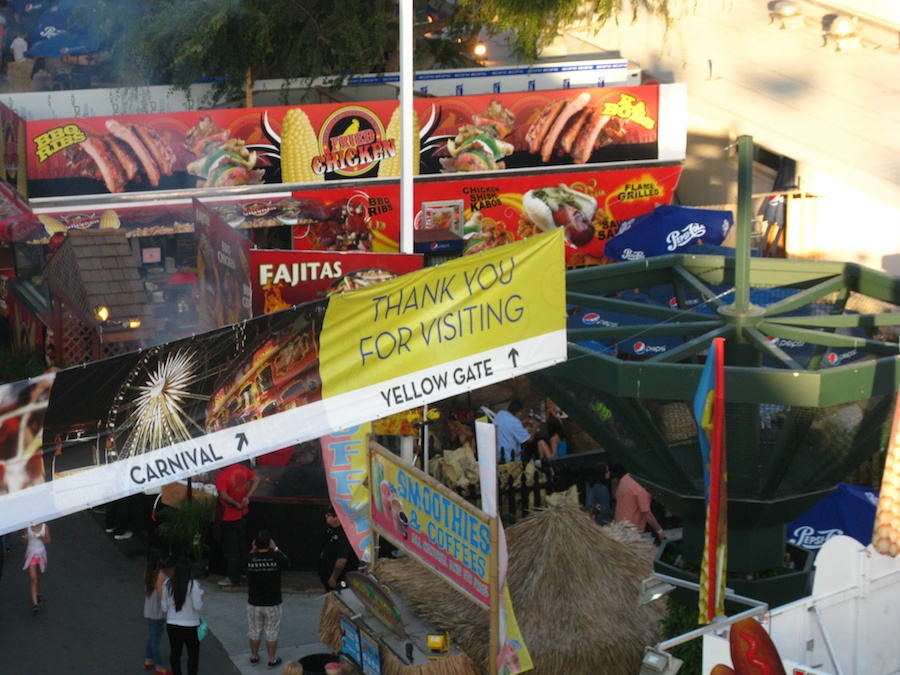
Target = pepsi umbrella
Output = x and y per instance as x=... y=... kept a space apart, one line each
x=31 y=6
x=65 y=44
x=800 y=351
x=55 y=20
x=628 y=333
x=668 y=229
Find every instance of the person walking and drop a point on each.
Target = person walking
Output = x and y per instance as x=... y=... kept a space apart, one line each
x=633 y=506
x=264 y=603
x=235 y=484
x=36 y=538
x=154 y=578
x=182 y=600
x=337 y=556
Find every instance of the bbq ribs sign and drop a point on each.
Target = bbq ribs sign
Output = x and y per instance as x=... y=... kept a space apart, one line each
x=135 y=422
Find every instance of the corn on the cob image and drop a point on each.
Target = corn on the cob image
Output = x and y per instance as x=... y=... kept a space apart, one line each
x=886 y=532
x=298 y=147
x=109 y=220
x=52 y=225
x=390 y=167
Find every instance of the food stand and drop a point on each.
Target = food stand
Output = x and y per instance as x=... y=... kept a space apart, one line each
x=210 y=185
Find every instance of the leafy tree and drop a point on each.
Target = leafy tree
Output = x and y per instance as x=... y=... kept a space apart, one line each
x=237 y=41
x=533 y=24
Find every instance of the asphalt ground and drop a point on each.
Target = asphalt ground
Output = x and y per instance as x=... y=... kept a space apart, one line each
x=91 y=622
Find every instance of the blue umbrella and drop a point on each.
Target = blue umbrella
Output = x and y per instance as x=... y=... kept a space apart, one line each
x=31 y=6
x=668 y=229
x=66 y=44
x=55 y=20
x=638 y=343
x=802 y=352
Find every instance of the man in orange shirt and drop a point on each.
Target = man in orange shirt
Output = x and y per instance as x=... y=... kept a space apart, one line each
x=633 y=506
x=235 y=484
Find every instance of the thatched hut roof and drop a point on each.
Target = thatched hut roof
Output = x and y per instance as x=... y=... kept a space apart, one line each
x=574 y=587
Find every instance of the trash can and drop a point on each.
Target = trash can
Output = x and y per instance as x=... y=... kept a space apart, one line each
x=314 y=664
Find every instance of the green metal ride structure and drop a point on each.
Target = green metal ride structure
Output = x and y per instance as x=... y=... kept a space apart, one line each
x=798 y=421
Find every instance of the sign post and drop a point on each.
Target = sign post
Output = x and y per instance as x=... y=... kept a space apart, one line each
x=495 y=595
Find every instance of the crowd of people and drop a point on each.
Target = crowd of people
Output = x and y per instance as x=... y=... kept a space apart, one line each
x=173 y=601
x=520 y=438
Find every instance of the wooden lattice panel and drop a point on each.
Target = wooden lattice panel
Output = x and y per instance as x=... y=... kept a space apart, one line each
x=75 y=340
x=108 y=349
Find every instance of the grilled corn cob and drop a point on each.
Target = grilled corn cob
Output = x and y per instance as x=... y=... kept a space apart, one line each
x=298 y=147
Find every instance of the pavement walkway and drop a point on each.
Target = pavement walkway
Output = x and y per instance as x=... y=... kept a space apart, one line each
x=91 y=621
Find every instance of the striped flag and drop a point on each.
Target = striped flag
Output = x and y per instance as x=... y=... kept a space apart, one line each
x=709 y=409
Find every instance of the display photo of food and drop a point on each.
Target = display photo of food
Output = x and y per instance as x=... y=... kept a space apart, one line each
x=574 y=129
x=360 y=279
x=561 y=206
x=342 y=225
x=482 y=233
x=126 y=154
x=478 y=145
x=556 y=128
x=220 y=160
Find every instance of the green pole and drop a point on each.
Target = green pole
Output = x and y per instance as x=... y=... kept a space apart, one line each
x=744 y=218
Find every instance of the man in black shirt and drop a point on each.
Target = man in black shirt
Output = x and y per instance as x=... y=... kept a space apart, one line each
x=264 y=611
x=337 y=557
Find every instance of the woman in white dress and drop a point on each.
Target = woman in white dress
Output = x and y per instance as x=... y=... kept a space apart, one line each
x=36 y=538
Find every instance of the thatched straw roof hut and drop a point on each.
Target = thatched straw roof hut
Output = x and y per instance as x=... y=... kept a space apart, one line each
x=574 y=586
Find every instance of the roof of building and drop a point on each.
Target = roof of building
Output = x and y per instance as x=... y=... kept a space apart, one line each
x=96 y=268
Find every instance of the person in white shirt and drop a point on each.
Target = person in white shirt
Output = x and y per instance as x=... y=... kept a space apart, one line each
x=182 y=600
x=18 y=47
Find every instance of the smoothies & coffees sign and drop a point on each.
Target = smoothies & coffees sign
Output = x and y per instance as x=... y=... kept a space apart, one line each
x=431 y=524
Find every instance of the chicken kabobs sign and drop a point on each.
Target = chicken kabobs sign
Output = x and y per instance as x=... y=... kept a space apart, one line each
x=448 y=329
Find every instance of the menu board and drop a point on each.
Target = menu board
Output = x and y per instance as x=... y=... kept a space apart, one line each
x=350 y=644
x=371 y=657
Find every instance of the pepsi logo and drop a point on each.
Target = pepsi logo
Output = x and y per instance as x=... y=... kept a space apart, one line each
x=833 y=359
x=639 y=347
x=591 y=319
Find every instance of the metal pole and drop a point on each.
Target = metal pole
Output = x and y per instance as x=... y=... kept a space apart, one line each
x=425 y=438
x=744 y=218
x=407 y=217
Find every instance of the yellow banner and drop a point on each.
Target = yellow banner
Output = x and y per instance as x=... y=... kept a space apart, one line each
x=513 y=656
x=503 y=297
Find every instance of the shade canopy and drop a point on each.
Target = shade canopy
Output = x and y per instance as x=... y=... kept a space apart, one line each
x=65 y=44
x=668 y=229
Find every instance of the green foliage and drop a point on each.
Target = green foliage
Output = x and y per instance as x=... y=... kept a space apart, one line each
x=680 y=619
x=185 y=527
x=15 y=367
x=181 y=41
x=535 y=23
